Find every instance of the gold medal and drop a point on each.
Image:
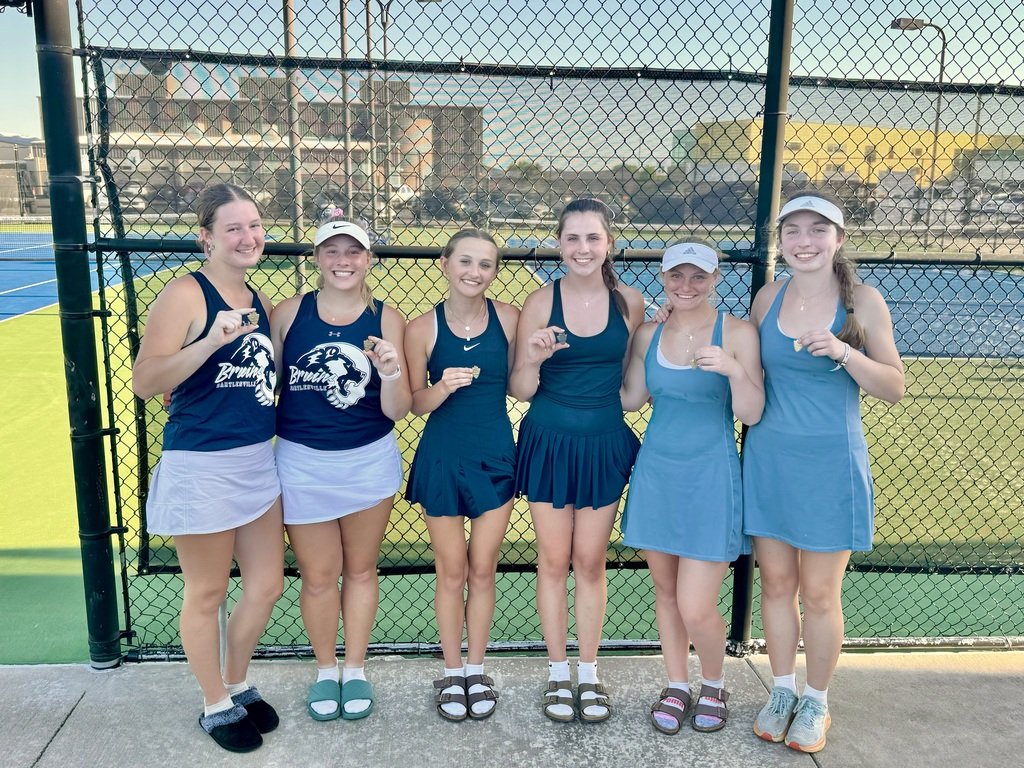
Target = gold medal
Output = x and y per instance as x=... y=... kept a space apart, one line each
x=693 y=364
x=476 y=371
x=560 y=337
x=797 y=346
x=253 y=318
x=368 y=345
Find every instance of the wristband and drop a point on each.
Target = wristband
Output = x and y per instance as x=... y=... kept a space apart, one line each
x=845 y=359
x=391 y=376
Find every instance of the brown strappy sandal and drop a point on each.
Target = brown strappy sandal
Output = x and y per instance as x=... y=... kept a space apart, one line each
x=602 y=699
x=711 y=710
x=674 y=712
x=551 y=698
x=451 y=698
x=489 y=695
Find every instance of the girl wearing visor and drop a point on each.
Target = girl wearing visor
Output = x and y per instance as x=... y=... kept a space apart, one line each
x=575 y=450
x=215 y=489
x=702 y=369
x=338 y=460
x=460 y=354
x=825 y=337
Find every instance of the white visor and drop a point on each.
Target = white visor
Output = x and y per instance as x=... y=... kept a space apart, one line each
x=818 y=205
x=690 y=253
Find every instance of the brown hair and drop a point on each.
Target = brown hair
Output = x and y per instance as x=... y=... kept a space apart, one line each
x=213 y=197
x=466 y=234
x=845 y=269
x=608 y=276
x=364 y=290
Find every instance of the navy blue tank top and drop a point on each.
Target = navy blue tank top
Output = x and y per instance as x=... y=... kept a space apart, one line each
x=483 y=401
x=330 y=400
x=588 y=373
x=229 y=401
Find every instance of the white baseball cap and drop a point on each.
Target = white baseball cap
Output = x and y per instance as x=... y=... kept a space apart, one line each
x=690 y=253
x=332 y=228
x=815 y=204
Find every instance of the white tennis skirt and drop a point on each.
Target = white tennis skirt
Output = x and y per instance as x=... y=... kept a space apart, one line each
x=317 y=486
x=211 y=491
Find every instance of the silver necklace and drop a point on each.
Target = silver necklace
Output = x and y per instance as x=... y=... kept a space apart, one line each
x=466 y=325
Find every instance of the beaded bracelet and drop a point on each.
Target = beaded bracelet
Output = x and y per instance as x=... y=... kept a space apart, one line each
x=842 y=363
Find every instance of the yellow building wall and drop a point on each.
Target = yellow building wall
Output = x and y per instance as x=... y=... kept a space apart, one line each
x=823 y=150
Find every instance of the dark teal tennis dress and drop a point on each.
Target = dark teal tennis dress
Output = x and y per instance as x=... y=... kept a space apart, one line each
x=465 y=460
x=575 y=448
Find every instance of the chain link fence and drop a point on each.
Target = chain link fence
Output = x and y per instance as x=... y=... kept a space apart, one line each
x=418 y=118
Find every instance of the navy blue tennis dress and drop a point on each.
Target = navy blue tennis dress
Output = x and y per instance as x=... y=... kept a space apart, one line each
x=575 y=448
x=465 y=460
x=685 y=494
x=806 y=480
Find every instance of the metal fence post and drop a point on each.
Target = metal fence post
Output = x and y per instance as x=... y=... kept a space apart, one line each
x=776 y=100
x=74 y=294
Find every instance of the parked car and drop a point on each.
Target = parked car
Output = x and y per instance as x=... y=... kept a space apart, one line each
x=438 y=204
x=168 y=197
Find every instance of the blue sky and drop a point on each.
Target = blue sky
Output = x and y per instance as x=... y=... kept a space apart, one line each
x=845 y=37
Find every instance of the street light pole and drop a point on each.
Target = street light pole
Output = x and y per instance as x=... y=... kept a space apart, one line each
x=911 y=24
x=346 y=114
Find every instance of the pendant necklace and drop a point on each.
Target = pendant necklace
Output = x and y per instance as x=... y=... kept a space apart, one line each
x=449 y=312
x=805 y=299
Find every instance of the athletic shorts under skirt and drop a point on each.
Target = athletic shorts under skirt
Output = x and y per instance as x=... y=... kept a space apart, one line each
x=211 y=491
x=317 y=486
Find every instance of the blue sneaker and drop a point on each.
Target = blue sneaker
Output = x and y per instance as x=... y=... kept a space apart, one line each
x=774 y=718
x=810 y=723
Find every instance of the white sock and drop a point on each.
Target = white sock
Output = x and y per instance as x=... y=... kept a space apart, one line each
x=348 y=674
x=714 y=683
x=819 y=696
x=785 y=681
x=586 y=672
x=453 y=708
x=330 y=674
x=236 y=688
x=483 y=706
x=558 y=671
x=221 y=706
x=664 y=718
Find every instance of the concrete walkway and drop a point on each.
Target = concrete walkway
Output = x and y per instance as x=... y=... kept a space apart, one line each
x=924 y=708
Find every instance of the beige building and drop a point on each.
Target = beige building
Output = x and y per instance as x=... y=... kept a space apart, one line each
x=823 y=151
x=159 y=134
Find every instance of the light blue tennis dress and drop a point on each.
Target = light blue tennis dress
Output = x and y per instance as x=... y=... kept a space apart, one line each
x=685 y=493
x=806 y=480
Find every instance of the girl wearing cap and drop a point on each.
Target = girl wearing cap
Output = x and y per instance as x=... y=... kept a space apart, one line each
x=344 y=387
x=215 y=489
x=806 y=482
x=685 y=504
x=575 y=450
x=459 y=356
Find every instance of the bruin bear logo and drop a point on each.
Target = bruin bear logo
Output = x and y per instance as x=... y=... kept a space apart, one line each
x=341 y=369
x=254 y=360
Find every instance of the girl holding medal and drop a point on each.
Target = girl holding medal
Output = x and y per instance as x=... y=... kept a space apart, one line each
x=685 y=504
x=459 y=356
x=215 y=488
x=344 y=389
x=575 y=450
x=806 y=482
